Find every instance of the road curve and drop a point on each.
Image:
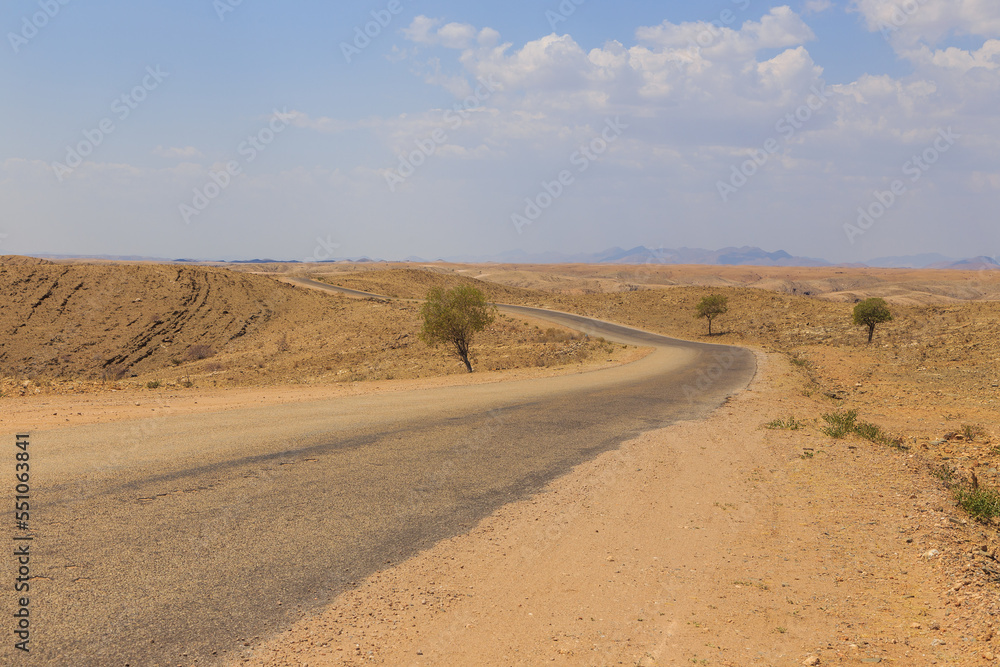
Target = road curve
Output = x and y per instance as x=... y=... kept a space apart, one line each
x=186 y=539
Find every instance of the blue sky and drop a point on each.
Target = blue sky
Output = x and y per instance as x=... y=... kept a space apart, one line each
x=223 y=129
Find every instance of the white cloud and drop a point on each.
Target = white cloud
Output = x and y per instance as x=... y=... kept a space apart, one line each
x=425 y=31
x=909 y=22
x=780 y=28
x=952 y=58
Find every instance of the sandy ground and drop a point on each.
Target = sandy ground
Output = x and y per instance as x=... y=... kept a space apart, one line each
x=710 y=543
x=39 y=412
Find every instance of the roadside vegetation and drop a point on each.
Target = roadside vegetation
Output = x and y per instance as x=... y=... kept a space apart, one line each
x=844 y=423
x=711 y=307
x=454 y=317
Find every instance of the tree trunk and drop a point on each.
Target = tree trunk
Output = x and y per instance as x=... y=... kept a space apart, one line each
x=465 y=358
x=710 y=326
x=871 y=332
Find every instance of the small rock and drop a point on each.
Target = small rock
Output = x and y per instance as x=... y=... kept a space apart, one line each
x=988 y=655
x=811 y=660
x=931 y=553
x=915 y=626
x=934 y=625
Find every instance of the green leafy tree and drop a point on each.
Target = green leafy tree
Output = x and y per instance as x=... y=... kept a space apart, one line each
x=454 y=317
x=871 y=312
x=711 y=307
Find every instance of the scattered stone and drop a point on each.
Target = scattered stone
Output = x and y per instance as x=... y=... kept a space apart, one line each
x=811 y=660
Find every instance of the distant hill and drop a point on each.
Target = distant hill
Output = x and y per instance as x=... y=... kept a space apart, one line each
x=746 y=255
x=731 y=256
x=909 y=261
x=981 y=263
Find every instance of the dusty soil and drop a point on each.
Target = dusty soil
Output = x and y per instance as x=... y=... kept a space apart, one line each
x=54 y=410
x=716 y=543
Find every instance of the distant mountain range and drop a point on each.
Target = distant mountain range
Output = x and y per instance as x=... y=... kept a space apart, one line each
x=642 y=255
x=745 y=256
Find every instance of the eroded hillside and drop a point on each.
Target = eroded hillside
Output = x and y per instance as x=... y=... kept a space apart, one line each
x=115 y=320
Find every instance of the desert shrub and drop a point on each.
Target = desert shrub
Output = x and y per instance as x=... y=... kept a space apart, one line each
x=155 y=384
x=875 y=434
x=114 y=372
x=840 y=424
x=553 y=335
x=971 y=432
x=790 y=424
x=981 y=503
x=199 y=352
x=944 y=472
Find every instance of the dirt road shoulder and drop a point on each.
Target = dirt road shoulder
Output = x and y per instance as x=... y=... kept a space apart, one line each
x=716 y=542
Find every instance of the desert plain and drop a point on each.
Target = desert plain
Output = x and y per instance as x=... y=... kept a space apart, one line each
x=750 y=537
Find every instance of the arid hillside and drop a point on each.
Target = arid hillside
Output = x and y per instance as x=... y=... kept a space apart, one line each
x=414 y=283
x=70 y=327
x=114 y=320
x=902 y=286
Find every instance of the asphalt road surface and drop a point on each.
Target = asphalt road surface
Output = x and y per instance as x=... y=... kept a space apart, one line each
x=185 y=539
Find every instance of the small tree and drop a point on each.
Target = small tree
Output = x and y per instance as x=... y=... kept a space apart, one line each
x=871 y=312
x=453 y=317
x=711 y=307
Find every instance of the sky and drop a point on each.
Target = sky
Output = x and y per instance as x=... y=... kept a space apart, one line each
x=239 y=129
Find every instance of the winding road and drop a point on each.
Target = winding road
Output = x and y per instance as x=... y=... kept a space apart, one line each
x=184 y=539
